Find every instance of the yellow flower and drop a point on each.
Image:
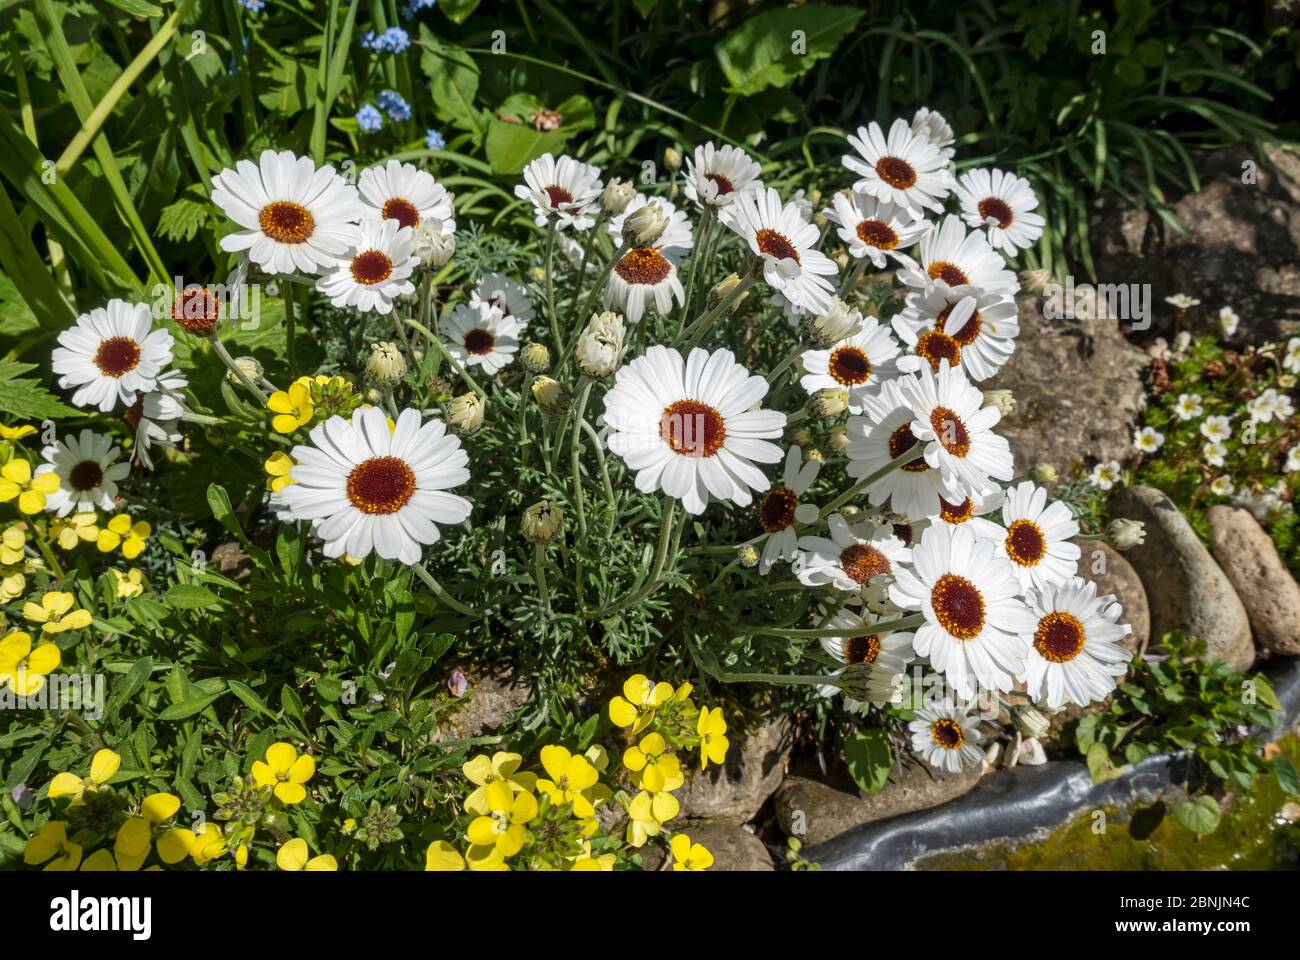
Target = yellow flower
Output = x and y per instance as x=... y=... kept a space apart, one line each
x=689 y=856
x=293 y=408
x=23 y=669
x=441 y=855
x=241 y=856
x=12 y=586
x=78 y=528
x=16 y=433
x=129 y=584
x=137 y=836
x=286 y=771
x=647 y=813
x=209 y=843
x=482 y=771
x=121 y=531
x=294 y=855
x=636 y=708
x=604 y=862
x=12 y=542
x=102 y=767
x=101 y=861
x=55 y=613
x=712 y=729
x=501 y=830
x=277 y=467
x=16 y=481
x=572 y=776
x=653 y=768
x=53 y=842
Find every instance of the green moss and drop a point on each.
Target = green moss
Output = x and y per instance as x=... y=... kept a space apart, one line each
x=1250 y=837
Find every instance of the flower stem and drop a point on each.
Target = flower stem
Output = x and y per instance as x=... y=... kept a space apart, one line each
x=551 y=230
x=223 y=354
x=794 y=355
x=584 y=391
x=652 y=579
x=914 y=452
x=604 y=474
x=587 y=304
x=437 y=590
x=539 y=567
x=902 y=623
x=695 y=333
x=435 y=344
x=290 y=351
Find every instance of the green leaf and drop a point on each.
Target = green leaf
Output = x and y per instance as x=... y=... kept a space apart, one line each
x=1100 y=766
x=1201 y=816
x=453 y=82
x=138 y=8
x=219 y=501
x=181 y=220
x=1264 y=692
x=513 y=143
x=457 y=10
x=192 y=596
x=869 y=759
x=26 y=398
x=776 y=46
x=130 y=684
x=1288 y=778
x=246 y=693
x=187 y=708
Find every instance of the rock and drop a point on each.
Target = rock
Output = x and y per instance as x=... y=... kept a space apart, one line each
x=1032 y=753
x=734 y=848
x=815 y=812
x=1078 y=391
x=1185 y=588
x=1265 y=586
x=1240 y=249
x=488 y=701
x=232 y=561
x=734 y=792
x=1106 y=567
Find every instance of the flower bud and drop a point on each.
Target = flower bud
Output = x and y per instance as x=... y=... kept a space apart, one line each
x=1043 y=474
x=542 y=521
x=1036 y=281
x=804 y=437
x=1124 y=534
x=536 y=274
x=645 y=225
x=249 y=367
x=617 y=195
x=1002 y=399
x=747 y=554
x=432 y=244
x=551 y=395
x=600 y=346
x=1030 y=721
x=386 y=365
x=535 y=358
x=841 y=258
x=465 y=413
x=828 y=402
x=838 y=439
x=814 y=455
x=672 y=159
x=837 y=323
x=440 y=390
x=722 y=290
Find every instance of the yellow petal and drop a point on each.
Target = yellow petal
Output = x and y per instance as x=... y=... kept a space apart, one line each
x=44 y=659
x=100 y=861
x=48 y=842
x=478 y=769
x=441 y=855
x=303 y=768
x=175 y=845
x=292 y=855
x=555 y=761
x=681 y=847
x=280 y=757
x=324 y=862
x=18 y=470
x=482 y=831
x=621 y=712
x=65 y=785
x=290 y=793
x=160 y=807
x=263 y=775
x=104 y=765
x=133 y=839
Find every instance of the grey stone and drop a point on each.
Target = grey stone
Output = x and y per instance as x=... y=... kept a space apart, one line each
x=1266 y=588
x=734 y=792
x=734 y=848
x=1106 y=567
x=1186 y=590
x=487 y=702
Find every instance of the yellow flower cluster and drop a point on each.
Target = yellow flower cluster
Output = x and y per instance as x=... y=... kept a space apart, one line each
x=17 y=482
x=119 y=531
x=311 y=399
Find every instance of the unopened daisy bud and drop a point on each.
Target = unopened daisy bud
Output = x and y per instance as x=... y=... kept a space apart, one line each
x=672 y=159
x=542 y=521
x=838 y=439
x=440 y=390
x=536 y=274
x=722 y=290
x=1043 y=474
x=551 y=396
x=828 y=402
x=812 y=453
x=386 y=365
x=1002 y=399
x=1035 y=281
x=433 y=245
x=1030 y=721
x=747 y=554
x=535 y=358
x=600 y=347
x=1124 y=534
x=841 y=258
x=803 y=436
x=617 y=195
x=1287 y=381
x=645 y=225
x=249 y=367
x=465 y=413
x=837 y=323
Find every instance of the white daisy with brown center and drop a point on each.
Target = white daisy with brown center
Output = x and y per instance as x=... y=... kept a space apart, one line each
x=88 y=470
x=692 y=427
x=884 y=655
x=786 y=242
x=1074 y=644
x=294 y=216
x=904 y=169
x=874 y=228
x=781 y=508
x=974 y=617
x=375 y=270
x=716 y=176
x=858 y=364
x=368 y=488
x=1035 y=536
x=970 y=509
x=507 y=295
x=853 y=555
x=642 y=278
x=932 y=125
x=405 y=194
x=1004 y=205
x=884 y=433
x=952 y=257
x=111 y=353
x=480 y=335
x=976 y=333
x=156 y=415
x=564 y=190
x=947 y=737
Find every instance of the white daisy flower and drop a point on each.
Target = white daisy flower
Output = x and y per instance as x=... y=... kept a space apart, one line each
x=972 y=510
x=677 y=236
x=858 y=364
x=1214 y=453
x=932 y=125
x=1074 y=652
x=156 y=415
x=872 y=228
x=1291 y=361
x=886 y=656
x=906 y=169
x=565 y=189
x=1217 y=428
x=976 y=333
x=1182 y=301
x=1222 y=486
x=1228 y=321
x=716 y=176
x=1035 y=536
x=508 y=296
x=787 y=243
x=852 y=556
x=947 y=738
x=88 y=470
x=781 y=508
x=882 y=434
x=405 y=193
x=294 y=216
x=1292 y=460
x=974 y=618
x=1105 y=475
x=642 y=278
x=480 y=335
x=1004 y=204
x=110 y=353
x=953 y=257
x=690 y=426
x=957 y=430
x=375 y=270
x=1188 y=406
x=1148 y=439
x=367 y=488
